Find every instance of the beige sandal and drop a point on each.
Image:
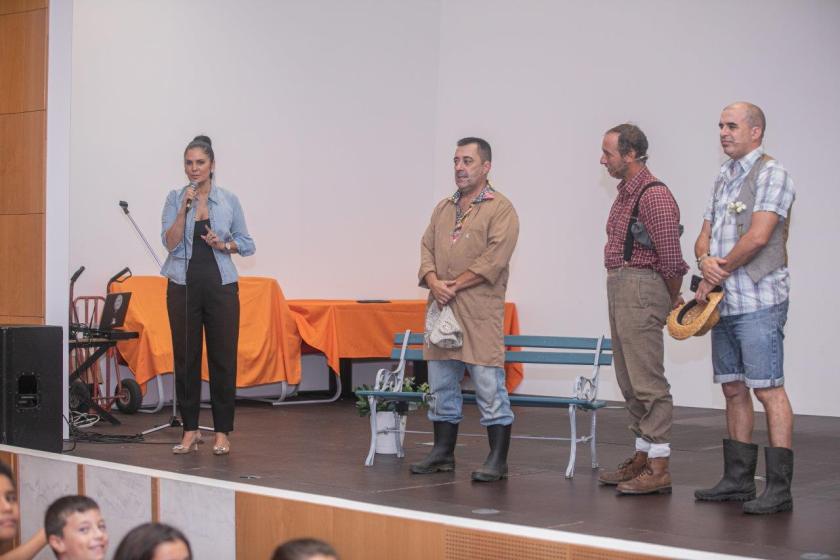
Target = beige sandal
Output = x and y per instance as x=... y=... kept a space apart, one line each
x=183 y=450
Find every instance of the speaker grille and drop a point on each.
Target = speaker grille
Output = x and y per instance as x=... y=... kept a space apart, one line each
x=467 y=544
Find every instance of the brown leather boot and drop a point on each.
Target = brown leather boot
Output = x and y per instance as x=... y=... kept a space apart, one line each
x=627 y=470
x=655 y=478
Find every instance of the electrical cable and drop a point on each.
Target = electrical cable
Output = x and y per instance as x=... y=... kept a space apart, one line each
x=77 y=435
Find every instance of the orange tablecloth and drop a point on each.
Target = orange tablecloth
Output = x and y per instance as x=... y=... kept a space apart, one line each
x=272 y=328
x=349 y=329
x=269 y=341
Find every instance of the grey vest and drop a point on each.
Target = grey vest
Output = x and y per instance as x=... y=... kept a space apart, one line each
x=774 y=254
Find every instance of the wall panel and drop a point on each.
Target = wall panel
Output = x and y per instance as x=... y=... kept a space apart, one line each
x=22 y=272
x=124 y=499
x=42 y=481
x=14 y=6
x=395 y=537
x=23 y=61
x=14 y=320
x=205 y=513
x=23 y=68
x=22 y=162
x=263 y=522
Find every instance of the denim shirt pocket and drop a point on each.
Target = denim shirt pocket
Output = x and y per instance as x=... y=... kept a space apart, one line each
x=221 y=218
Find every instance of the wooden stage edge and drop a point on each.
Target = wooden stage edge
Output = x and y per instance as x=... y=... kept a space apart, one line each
x=265 y=516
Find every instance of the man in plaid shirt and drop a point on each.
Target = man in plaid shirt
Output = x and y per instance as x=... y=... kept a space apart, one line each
x=742 y=247
x=643 y=284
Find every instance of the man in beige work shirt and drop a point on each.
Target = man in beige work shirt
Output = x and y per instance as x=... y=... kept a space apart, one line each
x=464 y=260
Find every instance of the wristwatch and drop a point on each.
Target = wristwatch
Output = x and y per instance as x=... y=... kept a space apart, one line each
x=227 y=246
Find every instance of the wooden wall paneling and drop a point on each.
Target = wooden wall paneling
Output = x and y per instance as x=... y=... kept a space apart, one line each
x=22 y=162
x=22 y=269
x=7 y=458
x=155 y=499
x=12 y=320
x=379 y=537
x=466 y=544
x=23 y=61
x=263 y=522
x=14 y=6
x=80 y=479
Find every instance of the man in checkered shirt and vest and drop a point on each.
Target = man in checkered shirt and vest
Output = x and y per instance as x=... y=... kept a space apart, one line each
x=645 y=268
x=742 y=247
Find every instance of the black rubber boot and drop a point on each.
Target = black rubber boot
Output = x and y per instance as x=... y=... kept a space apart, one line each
x=442 y=456
x=738 y=482
x=776 y=496
x=495 y=466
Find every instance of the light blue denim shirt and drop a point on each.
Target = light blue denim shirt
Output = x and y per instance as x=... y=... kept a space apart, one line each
x=226 y=219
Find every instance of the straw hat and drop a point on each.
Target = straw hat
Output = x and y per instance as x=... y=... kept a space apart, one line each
x=693 y=318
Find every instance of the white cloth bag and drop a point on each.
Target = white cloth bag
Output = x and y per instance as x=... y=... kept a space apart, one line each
x=442 y=329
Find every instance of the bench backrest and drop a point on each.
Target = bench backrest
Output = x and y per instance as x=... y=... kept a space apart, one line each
x=560 y=350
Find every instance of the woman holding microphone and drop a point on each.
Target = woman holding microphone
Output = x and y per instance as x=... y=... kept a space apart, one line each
x=203 y=225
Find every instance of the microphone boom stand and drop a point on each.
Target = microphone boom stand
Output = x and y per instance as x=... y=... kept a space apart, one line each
x=174 y=420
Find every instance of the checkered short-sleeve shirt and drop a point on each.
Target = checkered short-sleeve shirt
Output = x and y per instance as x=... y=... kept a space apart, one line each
x=774 y=193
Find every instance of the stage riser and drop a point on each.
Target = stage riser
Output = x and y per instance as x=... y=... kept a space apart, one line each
x=244 y=523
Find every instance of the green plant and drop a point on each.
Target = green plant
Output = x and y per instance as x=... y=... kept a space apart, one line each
x=401 y=407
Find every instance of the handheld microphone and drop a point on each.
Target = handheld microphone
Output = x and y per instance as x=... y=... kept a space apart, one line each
x=194 y=185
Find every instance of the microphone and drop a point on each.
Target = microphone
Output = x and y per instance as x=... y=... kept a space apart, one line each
x=192 y=184
x=124 y=206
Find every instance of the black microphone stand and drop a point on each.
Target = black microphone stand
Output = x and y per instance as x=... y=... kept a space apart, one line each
x=124 y=206
x=174 y=419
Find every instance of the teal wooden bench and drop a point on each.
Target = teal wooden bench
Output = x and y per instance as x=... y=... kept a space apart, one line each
x=551 y=350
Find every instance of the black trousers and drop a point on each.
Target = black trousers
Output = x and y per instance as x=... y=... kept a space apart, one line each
x=205 y=305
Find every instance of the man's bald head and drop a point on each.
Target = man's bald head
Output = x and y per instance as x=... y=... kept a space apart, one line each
x=752 y=113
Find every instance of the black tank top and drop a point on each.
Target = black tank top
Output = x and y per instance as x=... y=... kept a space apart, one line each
x=202 y=263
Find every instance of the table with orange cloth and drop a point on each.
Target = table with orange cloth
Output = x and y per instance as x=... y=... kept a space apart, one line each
x=269 y=342
x=272 y=329
x=349 y=329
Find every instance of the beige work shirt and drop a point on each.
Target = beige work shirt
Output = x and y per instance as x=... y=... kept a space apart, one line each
x=484 y=247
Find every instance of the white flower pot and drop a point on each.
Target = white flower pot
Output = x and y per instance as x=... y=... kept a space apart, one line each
x=385 y=441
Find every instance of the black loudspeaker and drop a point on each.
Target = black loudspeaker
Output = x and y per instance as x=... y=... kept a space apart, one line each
x=31 y=387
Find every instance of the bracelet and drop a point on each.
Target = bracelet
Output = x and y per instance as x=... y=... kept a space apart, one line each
x=700 y=259
x=227 y=246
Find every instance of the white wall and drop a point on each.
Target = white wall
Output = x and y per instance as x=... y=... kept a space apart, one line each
x=322 y=120
x=544 y=80
x=335 y=122
x=57 y=227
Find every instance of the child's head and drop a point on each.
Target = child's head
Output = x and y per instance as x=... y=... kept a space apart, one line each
x=305 y=549
x=154 y=541
x=75 y=529
x=9 y=510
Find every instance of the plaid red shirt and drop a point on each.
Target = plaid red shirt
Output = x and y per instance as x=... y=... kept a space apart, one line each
x=659 y=212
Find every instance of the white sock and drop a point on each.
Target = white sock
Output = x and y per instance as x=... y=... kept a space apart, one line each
x=659 y=450
x=642 y=445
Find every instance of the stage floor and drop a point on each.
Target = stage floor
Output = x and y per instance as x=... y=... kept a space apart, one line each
x=320 y=449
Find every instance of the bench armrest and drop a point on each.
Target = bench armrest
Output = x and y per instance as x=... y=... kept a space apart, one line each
x=392 y=380
x=586 y=388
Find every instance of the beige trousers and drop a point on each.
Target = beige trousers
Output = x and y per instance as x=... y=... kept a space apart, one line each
x=639 y=304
